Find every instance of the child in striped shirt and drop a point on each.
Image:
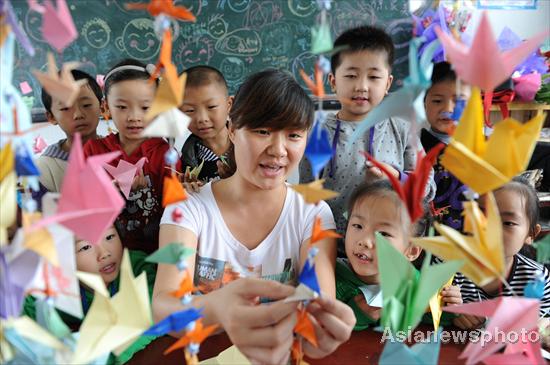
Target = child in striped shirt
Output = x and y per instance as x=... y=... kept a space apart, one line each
x=519 y=210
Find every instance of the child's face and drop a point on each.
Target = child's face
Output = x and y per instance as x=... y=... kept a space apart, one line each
x=361 y=82
x=440 y=103
x=103 y=259
x=128 y=102
x=207 y=106
x=82 y=116
x=264 y=157
x=374 y=214
x=515 y=225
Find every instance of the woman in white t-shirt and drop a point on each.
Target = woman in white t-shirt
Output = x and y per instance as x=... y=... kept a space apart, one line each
x=252 y=225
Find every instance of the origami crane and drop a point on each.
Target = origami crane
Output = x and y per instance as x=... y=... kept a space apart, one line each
x=166 y=7
x=486 y=165
x=63 y=86
x=406 y=291
x=304 y=327
x=89 y=202
x=317 y=87
x=171 y=123
x=24 y=164
x=39 y=145
x=318 y=149
x=321 y=40
x=308 y=277
x=408 y=99
x=175 y=322
x=173 y=191
x=435 y=305
x=58 y=28
x=112 y=324
x=170 y=254
x=481 y=251
x=472 y=64
x=420 y=354
x=124 y=173
x=508 y=314
x=314 y=192
x=8 y=182
x=413 y=190
x=319 y=234
x=10 y=19
x=171 y=87
x=195 y=336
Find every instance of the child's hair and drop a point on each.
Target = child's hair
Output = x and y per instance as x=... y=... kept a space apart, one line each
x=272 y=99
x=382 y=187
x=77 y=75
x=125 y=70
x=365 y=38
x=442 y=72
x=204 y=75
x=529 y=195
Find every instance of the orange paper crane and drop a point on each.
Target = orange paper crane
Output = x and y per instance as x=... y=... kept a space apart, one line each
x=197 y=335
x=412 y=191
x=314 y=192
x=186 y=287
x=316 y=86
x=304 y=327
x=319 y=234
x=173 y=191
x=171 y=87
x=166 y=7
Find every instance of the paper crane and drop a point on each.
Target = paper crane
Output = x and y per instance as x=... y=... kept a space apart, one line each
x=175 y=322
x=113 y=323
x=11 y=20
x=481 y=251
x=58 y=27
x=487 y=165
x=413 y=190
x=314 y=192
x=166 y=7
x=318 y=149
x=124 y=174
x=304 y=327
x=316 y=86
x=173 y=191
x=63 y=87
x=508 y=314
x=318 y=233
x=406 y=292
x=195 y=336
x=171 y=87
x=89 y=202
x=8 y=182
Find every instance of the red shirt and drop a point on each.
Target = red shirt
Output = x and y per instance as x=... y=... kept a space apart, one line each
x=138 y=223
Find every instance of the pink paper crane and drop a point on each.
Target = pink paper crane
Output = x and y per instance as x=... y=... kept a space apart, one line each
x=124 y=174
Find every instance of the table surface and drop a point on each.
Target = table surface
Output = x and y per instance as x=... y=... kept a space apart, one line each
x=363 y=348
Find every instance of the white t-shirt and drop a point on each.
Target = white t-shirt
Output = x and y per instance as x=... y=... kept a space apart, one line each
x=221 y=257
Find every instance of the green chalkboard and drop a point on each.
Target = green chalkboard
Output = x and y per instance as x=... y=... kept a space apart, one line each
x=236 y=36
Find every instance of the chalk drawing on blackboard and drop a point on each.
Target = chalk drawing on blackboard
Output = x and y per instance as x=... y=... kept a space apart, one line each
x=352 y=15
x=196 y=51
x=400 y=30
x=217 y=26
x=302 y=8
x=261 y=13
x=240 y=42
x=304 y=61
x=234 y=72
x=194 y=6
x=139 y=40
x=96 y=32
x=238 y=6
x=33 y=25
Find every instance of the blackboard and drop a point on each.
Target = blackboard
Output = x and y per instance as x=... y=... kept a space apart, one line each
x=236 y=36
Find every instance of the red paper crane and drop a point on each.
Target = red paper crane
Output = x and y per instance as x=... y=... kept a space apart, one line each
x=167 y=7
x=412 y=191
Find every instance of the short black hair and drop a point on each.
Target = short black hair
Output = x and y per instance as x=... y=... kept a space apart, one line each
x=77 y=75
x=272 y=99
x=126 y=75
x=442 y=72
x=204 y=75
x=521 y=186
x=360 y=39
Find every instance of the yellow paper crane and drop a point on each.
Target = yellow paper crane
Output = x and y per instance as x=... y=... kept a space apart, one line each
x=8 y=180
x=486 y=165
x=112 y=324
x=314 y=192
x=481 y=251
x=171 y=87
x=39 y=240
x=435 y=305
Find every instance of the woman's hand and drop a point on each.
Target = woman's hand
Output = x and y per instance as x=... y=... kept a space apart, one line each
x=262 y=332
x=333 y=322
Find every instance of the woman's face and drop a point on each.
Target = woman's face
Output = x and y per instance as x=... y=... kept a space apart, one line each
x=265 y=157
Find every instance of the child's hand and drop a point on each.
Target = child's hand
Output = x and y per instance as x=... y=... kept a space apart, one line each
x=373 y=171
x=467 y=321
x=194 y=186
x=187 y=177
x=544 y=330
x=450 y=295
x=139 y=181
x=372 y=312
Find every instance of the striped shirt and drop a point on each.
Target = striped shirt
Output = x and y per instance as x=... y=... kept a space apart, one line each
x=206 y=154
x=523 y=271
x=55 y=151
